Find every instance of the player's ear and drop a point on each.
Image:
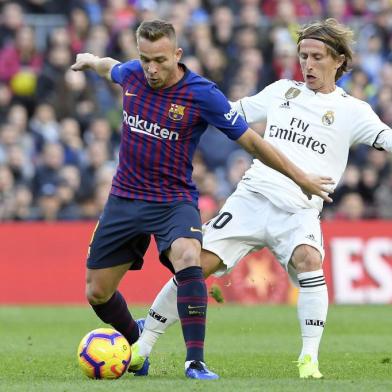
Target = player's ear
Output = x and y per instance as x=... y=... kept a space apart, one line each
x=178 y=54
x=341 y=60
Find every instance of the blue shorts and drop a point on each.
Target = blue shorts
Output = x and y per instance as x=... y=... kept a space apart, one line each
x=123 y=232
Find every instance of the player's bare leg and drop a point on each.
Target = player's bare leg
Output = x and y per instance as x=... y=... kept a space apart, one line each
x=102 y=283
x=108 y=303
x=312 y=307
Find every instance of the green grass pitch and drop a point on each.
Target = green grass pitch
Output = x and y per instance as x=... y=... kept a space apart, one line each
x=252 y=348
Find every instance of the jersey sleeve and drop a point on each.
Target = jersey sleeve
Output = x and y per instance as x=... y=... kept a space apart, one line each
x=254 y=108
x=121 y=70
x=384 y=141
x=217 y=111
x=366 y=125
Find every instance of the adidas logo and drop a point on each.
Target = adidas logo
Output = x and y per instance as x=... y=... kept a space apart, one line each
x=285 y=105
x=310 y=237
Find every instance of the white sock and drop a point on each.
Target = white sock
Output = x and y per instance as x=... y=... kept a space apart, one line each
x=161 y=315
x=187 y=363
x=312 y=311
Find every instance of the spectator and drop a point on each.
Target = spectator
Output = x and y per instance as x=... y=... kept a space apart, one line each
x=351 y=207
x=348 y=184
x=360 y=86
x=337 y=9
x=70 y=176
x=23 y=204
x=50 y=79
x=69 y=209
x=97 y=40
x=223 y=28
x=123 y=45
x=368 y=186
x=47 y=177
x=285 y=62
x=371 y=57
x=70 y=138
x=214 y=66
x=123 y=13
x=19 y=165
x=18 y=118
x=78 y=28
x=48 y=203
x=11 y=20
x=21 y=62
x=5 y=101
x=75 y=98
x=383 y=199
x=44 y=125
x=97 y=157
x=7 y=190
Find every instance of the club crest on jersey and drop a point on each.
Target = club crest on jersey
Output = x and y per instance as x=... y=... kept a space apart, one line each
x=328 y=118
x=292 y=92
x=176 y=112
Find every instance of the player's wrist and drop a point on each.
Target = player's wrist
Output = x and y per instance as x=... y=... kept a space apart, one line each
x=95 y=62
x=301 y=179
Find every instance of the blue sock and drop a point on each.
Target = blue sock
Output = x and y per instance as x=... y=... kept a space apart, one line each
x=115 y=312
x=192 y=309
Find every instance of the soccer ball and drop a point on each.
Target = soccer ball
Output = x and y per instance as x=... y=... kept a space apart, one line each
x=104 y=353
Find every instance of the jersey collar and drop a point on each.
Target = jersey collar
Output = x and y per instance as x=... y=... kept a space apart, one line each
x=332 y=94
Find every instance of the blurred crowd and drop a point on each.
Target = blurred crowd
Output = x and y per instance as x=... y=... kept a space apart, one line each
x=60 y=130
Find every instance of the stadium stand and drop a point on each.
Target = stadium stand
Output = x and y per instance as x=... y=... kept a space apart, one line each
x=59 y=130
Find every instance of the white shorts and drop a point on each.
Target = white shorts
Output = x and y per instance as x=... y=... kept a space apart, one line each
x=248 y=222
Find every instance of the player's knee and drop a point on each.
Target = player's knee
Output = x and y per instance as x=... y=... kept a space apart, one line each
x=185 y=261
x=190 y=258
x=97 y=295
x=306 y=258
x=185 y=253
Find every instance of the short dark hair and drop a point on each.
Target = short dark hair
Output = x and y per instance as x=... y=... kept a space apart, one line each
x=337 y=38
x=154 y=30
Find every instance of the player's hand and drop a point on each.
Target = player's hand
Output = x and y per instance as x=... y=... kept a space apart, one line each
x=318 y=185
x=84 y=61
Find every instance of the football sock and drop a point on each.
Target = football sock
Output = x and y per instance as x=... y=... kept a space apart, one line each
x=192 y=309
x=312 y=310
x=115 y=312
x=187 y=363
x=161 y=315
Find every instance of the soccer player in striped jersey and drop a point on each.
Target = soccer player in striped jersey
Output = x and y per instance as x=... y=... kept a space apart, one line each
x=166 y=108
x=314 y=124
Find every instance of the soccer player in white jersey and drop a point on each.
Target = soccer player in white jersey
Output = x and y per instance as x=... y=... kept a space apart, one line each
x=314 y=124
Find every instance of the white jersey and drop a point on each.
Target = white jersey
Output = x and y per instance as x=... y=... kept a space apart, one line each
x=314 y=130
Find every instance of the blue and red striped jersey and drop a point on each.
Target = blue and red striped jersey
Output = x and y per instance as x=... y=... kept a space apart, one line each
x=160 y=132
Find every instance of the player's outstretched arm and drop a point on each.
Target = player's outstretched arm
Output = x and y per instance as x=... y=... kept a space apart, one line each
x=310 y=184
x=102 y=66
